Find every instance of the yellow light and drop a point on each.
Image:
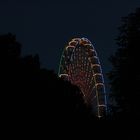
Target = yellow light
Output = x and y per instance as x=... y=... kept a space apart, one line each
x=63 y=75
x=70 y=47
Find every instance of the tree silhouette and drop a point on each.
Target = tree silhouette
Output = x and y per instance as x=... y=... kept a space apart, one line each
x=125 y=76
x=33 y=96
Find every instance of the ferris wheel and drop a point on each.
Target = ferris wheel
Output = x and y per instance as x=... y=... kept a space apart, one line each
x=80 y=65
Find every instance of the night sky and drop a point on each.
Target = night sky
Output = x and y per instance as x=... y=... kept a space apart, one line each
x=45 y=27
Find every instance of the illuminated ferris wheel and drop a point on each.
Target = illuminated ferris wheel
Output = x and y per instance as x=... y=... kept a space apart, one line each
x=80 y=65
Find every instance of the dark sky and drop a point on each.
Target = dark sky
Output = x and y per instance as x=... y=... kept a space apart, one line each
x=45 y=27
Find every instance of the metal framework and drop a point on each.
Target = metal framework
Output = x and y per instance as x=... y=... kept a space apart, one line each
x=80 y=65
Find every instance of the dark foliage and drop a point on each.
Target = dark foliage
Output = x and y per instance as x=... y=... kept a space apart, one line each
x=35 y=98
x=125 y=75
